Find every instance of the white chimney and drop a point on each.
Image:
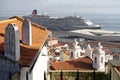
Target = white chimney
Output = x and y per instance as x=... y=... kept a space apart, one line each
x=11 y=43
x=27 y=32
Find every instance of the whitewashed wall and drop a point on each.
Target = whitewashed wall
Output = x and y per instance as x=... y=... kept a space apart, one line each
x=40 y=66
x=23 y=73
x=108 y=57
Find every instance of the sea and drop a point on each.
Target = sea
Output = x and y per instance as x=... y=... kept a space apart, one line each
x=107 y=21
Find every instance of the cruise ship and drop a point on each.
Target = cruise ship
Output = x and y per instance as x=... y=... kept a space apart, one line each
x=64 y=24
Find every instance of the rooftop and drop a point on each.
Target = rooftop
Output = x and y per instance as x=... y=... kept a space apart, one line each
x=77 y=64
x=115 y=62
x=27 y=53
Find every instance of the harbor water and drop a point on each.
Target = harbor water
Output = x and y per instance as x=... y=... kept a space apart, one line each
x=108 y=21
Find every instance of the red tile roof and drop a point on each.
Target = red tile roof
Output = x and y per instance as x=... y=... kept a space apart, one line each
x=77 y=64
x=107 y=51
x=39 y=35
x=66 y=52
x=58 y=45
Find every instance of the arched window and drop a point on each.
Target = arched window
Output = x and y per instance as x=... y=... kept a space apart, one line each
x=80 y=53
x=77 y=55
x=101 y=59
x=71 y=54
x=95 y=60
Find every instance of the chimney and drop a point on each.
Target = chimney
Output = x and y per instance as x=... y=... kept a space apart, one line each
x=27 y=32
x=11 y=43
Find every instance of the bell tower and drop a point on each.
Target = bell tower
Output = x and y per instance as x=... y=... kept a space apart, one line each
x=99 y=58
x=76 y=51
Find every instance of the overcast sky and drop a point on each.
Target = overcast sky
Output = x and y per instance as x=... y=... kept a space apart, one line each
x=25 y=7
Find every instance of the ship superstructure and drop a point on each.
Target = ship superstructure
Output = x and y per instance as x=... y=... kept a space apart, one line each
x=65 y=23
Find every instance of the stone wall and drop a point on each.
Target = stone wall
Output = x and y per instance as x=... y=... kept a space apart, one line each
x=8 y=68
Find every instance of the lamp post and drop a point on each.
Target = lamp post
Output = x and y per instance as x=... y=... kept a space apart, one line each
x=94 y=75
x=61 y=75
x=77 y=77
x=44 y=76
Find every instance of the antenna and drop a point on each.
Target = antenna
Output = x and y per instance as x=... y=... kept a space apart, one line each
x=74 y=14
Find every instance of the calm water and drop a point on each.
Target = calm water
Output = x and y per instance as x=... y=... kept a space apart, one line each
x=108 y=21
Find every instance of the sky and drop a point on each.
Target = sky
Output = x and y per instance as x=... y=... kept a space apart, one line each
x=25 y=7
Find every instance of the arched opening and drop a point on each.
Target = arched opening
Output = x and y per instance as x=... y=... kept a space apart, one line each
x=95 y=59
x=71 y=54
x=101 y=59
x=77 y=55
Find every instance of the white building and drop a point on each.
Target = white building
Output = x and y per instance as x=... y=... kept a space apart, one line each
x=99 y=58
x=76 y=52
x=99 y=55
x=89 y=51
x=52 y=41
x=34 y=37
x=29 y=50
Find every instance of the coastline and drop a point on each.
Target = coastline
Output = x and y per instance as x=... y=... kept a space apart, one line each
x=99 y=35
x=100 y=31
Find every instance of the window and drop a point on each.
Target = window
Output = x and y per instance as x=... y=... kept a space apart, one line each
x=77 y=55
x=81 y=54
x=71 y=54
x=95 y=60
x=101 y=59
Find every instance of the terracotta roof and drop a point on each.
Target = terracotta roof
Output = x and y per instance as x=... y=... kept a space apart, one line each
x=77 y=64
x=107 y=51
x=58 y=45
x=66 y=52
x=105 y=44
x=39 y=35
